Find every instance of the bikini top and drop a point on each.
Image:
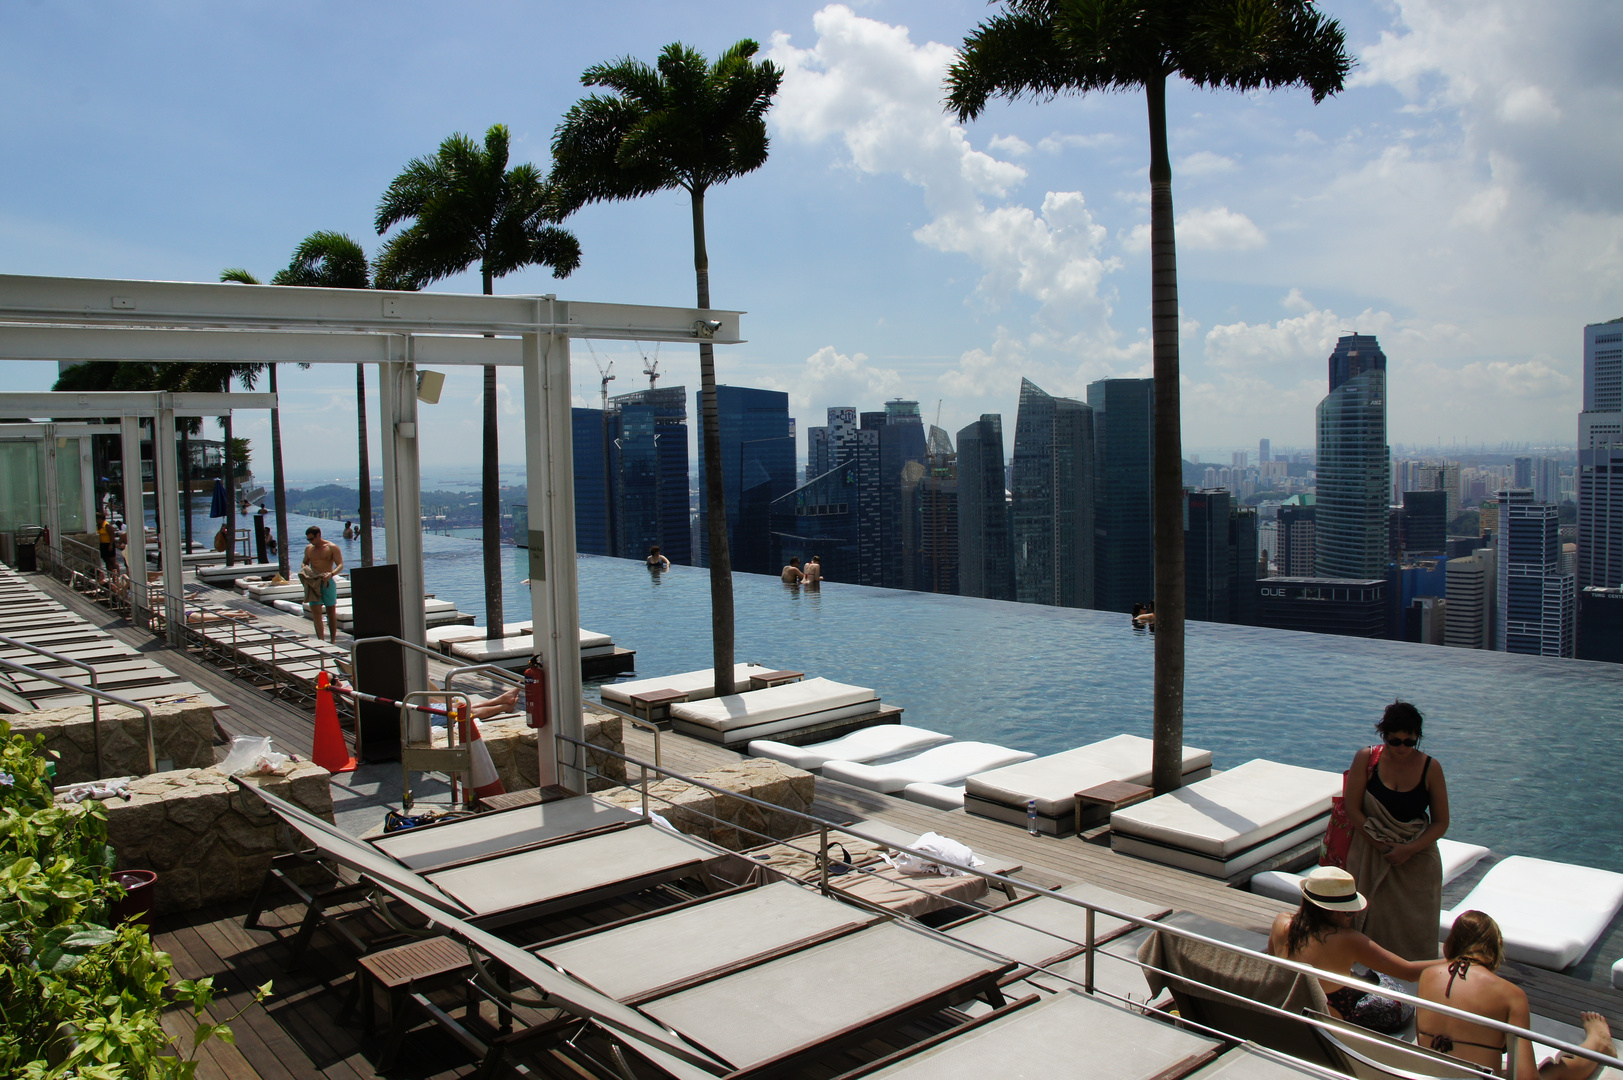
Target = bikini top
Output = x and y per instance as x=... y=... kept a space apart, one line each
x=1404 y=805
x=1444 y=1044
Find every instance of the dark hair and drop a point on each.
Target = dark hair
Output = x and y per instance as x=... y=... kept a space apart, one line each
x=314 y=530
x=653 y=550
x=1310 y=923
x=1400 y=716
x=1476 y=937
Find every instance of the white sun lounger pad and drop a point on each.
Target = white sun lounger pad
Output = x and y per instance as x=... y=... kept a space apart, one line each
x=1550 y=913
x=867 y=746
x=786 y=702
x=945 y=764
x=697 y=685
x=1225 y=814
x=1055 y=779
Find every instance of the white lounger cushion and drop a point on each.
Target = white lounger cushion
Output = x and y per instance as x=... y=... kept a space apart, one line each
x=949 y=763
x=511 y=648
x=1227 y=813
x=1457 y=859
x=868 y=745
x=1055 y=779
x=697 y=685
x=940 y=796
x=453 y=635
x=774 y=703
x=1551 y=913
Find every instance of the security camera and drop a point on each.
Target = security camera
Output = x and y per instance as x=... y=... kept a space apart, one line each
x=706 y=328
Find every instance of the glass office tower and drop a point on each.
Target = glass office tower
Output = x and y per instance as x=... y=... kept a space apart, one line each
x=757 y=468
x=1354 y=464
x=984 y=567
x=1124 y=492
x=1052 y=500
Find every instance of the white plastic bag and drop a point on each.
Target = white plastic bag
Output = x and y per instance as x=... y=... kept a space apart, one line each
x=947 y=857
x=251 y=755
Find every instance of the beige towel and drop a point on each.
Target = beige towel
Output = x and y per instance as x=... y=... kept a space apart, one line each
x=312 y=585
x=1404 y=901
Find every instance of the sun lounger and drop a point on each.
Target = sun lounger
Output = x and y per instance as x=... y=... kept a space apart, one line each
x=736 y=719
x=940 y=796
x=1550 y=913
x=484 y=835
x=1255 y=1063
x=697 y=685
x=226 y=576
x=1054 y=780
x=945 y=764
x=1040 y=930
x=522 y=647
x=1283 y=885
x=1226 y=824
x=879 y=743
x=1054 y=1037
x=1367 y=1055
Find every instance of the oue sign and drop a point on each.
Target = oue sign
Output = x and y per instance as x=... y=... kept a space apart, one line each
x=1273 y=592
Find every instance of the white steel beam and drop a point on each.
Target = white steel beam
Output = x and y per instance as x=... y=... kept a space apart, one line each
x=54 y=431
x=403 y=516
x=26 y=341
x=23 y=404
x=135 y=525
x=166 y=499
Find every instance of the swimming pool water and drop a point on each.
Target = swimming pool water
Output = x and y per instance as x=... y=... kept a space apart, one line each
x=1532 y=747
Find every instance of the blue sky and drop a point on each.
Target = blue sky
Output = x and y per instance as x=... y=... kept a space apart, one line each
x=1460 y=199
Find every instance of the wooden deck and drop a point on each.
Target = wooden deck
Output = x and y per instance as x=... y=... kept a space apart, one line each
x=299 y=1033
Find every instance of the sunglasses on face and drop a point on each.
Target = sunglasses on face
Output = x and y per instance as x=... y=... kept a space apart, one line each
x=1390 y=741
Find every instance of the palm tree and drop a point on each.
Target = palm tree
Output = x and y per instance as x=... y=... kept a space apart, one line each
x=278 y=488
x=1043 y=48
x=333 y=260
x=686 y=124
x=466 y=207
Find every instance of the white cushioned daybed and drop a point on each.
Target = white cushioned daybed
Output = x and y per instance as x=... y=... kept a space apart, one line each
x=697 y=685
x=1055 y=779
x=869 y=745
x=1457 y=859
x=1551 y=913
x=226 y=576
x=1226 y=824
x=442 y=637
x=522 y=647
x=738 y=718
x=948 y=763
x=940 y=796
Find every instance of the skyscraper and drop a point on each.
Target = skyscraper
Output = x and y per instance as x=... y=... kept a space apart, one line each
x=984 y=566
x=1264 y=452
x=1296 y=544
x=1472 y=588
x=1052 y=507
x=933 y=520
x=1123 y=493
x=1537 y=602
x=1220 y=557
x=1354 y=464
x=592 y=535
x=757 y=467
x=1425 y=525
x=650 y=443
x=1600 y=459
x=901 y=442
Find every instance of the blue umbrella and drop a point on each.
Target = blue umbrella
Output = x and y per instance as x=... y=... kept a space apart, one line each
x=221 y=504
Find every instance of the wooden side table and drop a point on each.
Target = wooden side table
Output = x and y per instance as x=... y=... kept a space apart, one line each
x=774 y=678
x=655 y=705
x=1108 y=797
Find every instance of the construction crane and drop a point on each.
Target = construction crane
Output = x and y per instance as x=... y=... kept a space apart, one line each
x=651 y=367
x=605 y=376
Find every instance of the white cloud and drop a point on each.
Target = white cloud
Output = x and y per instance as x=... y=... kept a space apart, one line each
x=1214 y=228
x=1010 y=144
x=830 y=377
x=1053 y=144
x=1204 y=163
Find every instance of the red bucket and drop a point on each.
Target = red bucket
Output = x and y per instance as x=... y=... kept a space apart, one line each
x=139 y=900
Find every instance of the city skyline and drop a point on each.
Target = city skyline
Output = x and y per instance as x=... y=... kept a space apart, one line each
x=885 y=251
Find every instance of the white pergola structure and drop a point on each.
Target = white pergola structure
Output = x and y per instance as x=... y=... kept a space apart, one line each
x=129 y=409
x=46 y=318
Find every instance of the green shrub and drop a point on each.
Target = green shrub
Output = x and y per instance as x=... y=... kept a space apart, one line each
x=77 y=999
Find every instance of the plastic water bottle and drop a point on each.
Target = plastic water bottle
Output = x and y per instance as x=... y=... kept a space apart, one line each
x=1031 y=816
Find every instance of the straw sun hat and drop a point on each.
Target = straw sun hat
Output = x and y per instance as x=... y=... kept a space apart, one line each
x=1333 y=889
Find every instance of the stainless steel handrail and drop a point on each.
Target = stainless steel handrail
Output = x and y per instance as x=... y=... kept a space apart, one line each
x=823 y=826
x=95 y=704
x=152 y=745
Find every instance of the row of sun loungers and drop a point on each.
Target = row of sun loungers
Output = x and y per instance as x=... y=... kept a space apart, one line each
x=599 y=655
x=30 y=616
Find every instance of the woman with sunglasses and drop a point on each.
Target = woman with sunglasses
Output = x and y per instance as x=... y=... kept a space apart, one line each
x=1397 y=804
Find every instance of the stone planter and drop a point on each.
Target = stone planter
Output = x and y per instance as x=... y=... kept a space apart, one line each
x=512 y=749
x=184 y=734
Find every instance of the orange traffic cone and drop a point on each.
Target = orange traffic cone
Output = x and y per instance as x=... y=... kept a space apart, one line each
x=329 y=751
x=485 y=782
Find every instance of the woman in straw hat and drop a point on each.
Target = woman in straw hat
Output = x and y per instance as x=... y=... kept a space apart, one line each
x=1320 y=933
x=1473 y=953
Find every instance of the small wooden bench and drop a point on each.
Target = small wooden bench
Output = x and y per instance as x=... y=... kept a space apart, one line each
x=1106 y=798
x=654 y=706
x=766 y=679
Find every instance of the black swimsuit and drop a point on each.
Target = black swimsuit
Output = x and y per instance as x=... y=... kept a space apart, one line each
x=1404 y=805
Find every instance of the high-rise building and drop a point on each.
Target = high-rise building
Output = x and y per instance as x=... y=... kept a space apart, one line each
x=933 y=518
x=1600 y=625
x=1351 y=607
x=1600 y=459
x=1123 y=492
x=650 y=468
x=1521 y=474
x=1537 y=602
x=1425 y=522
x=901 y=442
x=1052 y=503
x=1441 y=476
x=1472 y=592
x=1296 y=544
x=820 y=518
x=757 y=468
x=1547 y=480
x=1220 y=557
x=1264 y=453
x=1354 y=464
x=984 y=564
x=592 y=533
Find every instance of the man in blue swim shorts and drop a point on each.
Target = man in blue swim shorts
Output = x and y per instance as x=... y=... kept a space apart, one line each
x=323 y=560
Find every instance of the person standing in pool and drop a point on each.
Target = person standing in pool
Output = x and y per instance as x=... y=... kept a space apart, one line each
x=812 y=576
x=792 y=574
x=1397 y=804
x=323 y=559
x=656 y=560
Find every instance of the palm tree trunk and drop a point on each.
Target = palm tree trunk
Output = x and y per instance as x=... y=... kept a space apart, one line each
x=715 y=493
x=186 y=479
x=366 y=466
x=1168 y=469
x=491 y=518
x=229 y=475
x=276 y=482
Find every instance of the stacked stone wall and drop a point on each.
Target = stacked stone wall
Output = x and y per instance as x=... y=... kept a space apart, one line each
x=184 y=736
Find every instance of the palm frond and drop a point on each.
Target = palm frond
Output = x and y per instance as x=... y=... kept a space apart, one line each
x=238 y=275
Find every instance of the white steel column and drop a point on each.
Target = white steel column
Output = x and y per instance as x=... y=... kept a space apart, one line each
x=403 y=520
x=53 y=496
x=135 y=526
x=87 y=481
x=554 y=590
x=166 y=488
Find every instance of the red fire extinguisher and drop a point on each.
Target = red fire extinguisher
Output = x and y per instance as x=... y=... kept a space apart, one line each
x=535 y=693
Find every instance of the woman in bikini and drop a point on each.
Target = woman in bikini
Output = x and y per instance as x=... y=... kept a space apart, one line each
x=1473 y=951
x=1320 y=933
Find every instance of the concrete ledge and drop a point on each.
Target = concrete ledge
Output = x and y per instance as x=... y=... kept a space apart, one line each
x=207 y=841
x=512 y=749
x=184 y=735
x=695 y=810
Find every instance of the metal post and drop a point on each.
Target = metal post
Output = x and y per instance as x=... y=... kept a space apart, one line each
x=166 y=481
x=822 y=857
x=1087 y=962
x=644 y=786
x=1511 y=1041
x=53 y=499
x=135 y=525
